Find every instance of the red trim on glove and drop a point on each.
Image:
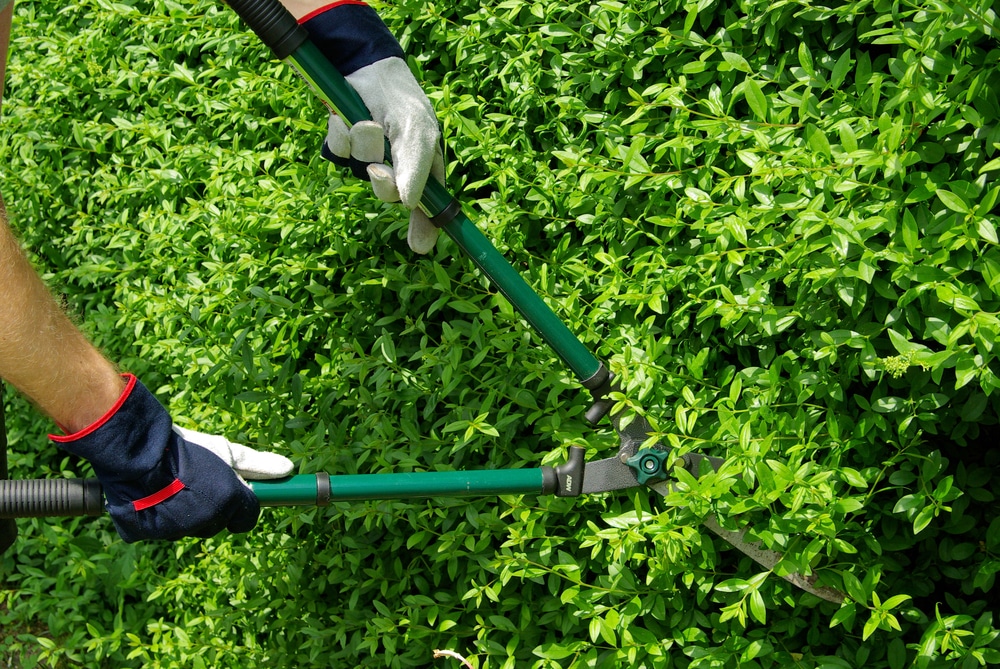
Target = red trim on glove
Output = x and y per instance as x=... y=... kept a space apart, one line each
x=157 y=497
x=316 y=12
x=130 y=384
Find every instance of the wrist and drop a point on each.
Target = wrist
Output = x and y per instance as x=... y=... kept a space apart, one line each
x=86 y=394
x=98 y=410
x=128 y=439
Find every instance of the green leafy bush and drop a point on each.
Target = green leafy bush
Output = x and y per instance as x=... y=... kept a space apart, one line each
x=776 y=221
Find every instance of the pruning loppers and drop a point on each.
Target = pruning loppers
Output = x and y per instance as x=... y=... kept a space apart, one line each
x=637 y=463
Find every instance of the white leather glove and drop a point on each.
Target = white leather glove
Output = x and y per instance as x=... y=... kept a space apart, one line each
x=401 y=112
x=249 y=465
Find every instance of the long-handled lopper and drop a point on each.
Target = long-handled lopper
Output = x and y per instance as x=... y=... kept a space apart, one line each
x=634 y=466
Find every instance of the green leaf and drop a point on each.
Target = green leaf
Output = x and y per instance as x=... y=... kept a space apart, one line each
x=595 y=629
x=889 y=404
x=966 y=370
x=870 y=626
x=910 y=503
x=854 y=588
x=731 y=585
x=987 y=230
x=553 y=651
x=755 y=98
x=736 y=61
x=608 y=632
x=923 y=519
x=818 y=141
x=387 y=348
x=841 y=70
x=853 y=477
x=758 y=611
x=252 y=396
x=953 y=201
x=844 y=615
x=806 y=59
x=897 y=654
x=894 y=601
x=464 y=306
x=911 y=237
x=902 y=344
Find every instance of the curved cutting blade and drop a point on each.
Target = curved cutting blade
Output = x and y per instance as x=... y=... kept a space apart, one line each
x=769 y=559
x=753 y=549
x=613 y=474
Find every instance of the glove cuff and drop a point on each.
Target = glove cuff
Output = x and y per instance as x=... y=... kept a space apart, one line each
x=351 y=35
x=118 y=444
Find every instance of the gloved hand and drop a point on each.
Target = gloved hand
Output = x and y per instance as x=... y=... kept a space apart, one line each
x=164 y=482
x=362 y=49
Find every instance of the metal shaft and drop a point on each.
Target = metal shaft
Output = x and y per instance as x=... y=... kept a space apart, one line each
x=305 y=489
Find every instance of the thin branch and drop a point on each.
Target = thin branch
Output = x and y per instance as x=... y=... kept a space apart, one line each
x=454 y=655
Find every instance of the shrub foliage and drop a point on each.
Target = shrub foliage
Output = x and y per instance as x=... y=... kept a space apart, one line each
x=776 y=220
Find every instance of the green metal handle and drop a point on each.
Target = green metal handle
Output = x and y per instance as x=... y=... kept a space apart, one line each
x=301 y=490
x=321 y=489
x=566 y=480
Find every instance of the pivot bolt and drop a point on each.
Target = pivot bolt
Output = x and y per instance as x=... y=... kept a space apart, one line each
x=649 y=464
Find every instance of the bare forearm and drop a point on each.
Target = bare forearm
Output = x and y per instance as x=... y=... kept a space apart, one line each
x=300 y=8
x=42 y=353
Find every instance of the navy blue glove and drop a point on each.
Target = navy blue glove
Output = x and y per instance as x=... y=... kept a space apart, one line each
x=163 y=482
x=351 y=35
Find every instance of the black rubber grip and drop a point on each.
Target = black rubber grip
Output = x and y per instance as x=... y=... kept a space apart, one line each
x=8 y=528
x=37 y=498
x=274 y=25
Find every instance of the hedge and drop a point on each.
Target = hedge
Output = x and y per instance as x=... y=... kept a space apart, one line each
x=777 y=221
